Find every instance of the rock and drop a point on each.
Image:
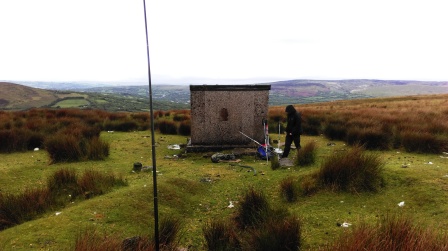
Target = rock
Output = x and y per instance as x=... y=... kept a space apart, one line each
x=137 y=167
x=285 y=162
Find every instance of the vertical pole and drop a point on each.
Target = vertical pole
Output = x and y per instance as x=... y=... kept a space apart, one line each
x=266 y=139
x=278 y=135
x=153 y=143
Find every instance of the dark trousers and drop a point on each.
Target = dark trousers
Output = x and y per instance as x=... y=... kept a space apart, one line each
x=288 y=141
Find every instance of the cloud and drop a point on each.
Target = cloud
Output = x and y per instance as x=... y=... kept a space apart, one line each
x=104 y=40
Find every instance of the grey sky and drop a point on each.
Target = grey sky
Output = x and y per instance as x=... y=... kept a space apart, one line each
x=204 y=41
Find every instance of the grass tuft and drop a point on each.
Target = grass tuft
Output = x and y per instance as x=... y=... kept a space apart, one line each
x=306 y=156
x=392 y=233
x=253 y=209
x=352 y=170
x=220 y=236
x=283 y=234
x=289 y=189
x=62 y=187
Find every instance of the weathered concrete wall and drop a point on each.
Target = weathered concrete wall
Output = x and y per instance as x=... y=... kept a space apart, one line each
x=219 y=113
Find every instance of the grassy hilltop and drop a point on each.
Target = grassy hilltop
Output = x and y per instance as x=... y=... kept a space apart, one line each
x=407 y=136
x=135 y=98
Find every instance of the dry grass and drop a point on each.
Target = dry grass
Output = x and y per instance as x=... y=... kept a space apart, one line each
x=392 y=233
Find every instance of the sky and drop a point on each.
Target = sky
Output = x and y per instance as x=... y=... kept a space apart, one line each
x=222 y=42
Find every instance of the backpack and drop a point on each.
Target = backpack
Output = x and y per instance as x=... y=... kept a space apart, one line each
x=261 y=152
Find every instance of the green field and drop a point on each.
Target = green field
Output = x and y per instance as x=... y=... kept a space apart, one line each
x=72 y=103
x=197 y=190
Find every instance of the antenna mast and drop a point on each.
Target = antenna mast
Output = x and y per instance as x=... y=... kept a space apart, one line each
x=153 y=143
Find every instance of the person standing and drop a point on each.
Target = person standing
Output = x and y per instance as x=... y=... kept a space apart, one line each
x=293 y=129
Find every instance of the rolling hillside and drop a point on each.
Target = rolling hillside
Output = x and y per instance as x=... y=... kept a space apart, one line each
x=20 y=97
x=165 y=97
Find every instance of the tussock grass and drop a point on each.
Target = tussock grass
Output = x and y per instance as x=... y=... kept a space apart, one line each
x=353 y=170
x=169 y=230
x=423 y=142
x=91 y=240
x=306 y=156
x=167 y=127
x=277 y=234
x=69 y=148
x=392 y=233
x=253 y=209
x=255 y=226
x=379 y=123
x=16 y=209
x=221 y=236
x=62 y=187
x=275 y=163
x=289 y=189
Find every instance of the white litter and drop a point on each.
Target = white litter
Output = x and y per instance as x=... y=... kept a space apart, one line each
x=429 y=163
x=58 y=213
x=36 y=149
x=278 y=151
x=346 y=224
x=401 y=204
x=230 y=205
x=174 y=147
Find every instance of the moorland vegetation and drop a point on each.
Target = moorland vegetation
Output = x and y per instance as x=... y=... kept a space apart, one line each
x=349 y=160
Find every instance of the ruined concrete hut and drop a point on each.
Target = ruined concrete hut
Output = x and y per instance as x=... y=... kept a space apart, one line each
x=220 y=112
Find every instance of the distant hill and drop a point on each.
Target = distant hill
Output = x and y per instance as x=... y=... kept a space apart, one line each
x=115 y=97
x=311 y=91
x=20 y=97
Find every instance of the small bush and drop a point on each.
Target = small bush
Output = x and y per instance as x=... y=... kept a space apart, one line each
x=181 y=117
x=306 y=155
x=35 y=139
x=184 y=128
x=64 y=148
x=335 y=131
x=69 y=148
x=423 y=142
x=62 y=186
x=275 y=163
x=16 y=209
x=220 y=236
x=64 y=183
x=91 y=240
x=371 y=138
x=93 y=183
x=283 y=234
x=258 y=228
x=289 y=189
x=311 y=125
x=352 y=170
x=309 y=185
x=8 y=141
x=121 y=125
x=97 y=149
x=169 y=230
x=167 y=127
x=253 y=209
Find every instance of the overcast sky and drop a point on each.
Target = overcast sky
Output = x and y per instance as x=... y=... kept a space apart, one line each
x=229 y=42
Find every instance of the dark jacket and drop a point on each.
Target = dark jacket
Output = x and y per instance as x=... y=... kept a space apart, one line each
x=294 y=119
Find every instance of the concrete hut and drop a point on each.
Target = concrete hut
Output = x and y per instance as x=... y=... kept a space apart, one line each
x=220 y=112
